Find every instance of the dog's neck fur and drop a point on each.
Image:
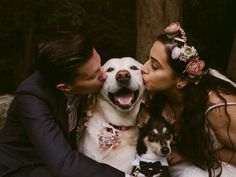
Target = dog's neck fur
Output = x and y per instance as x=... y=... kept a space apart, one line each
x=116 y=117
x=150 y=155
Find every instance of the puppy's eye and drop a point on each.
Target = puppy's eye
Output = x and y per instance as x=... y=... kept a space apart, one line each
x=134 y=68
x=152 y=137
x=109 y=70
x=152 y=134
x=167 y=134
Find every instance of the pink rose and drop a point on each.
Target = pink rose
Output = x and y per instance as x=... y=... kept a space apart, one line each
x=172 y=28
x=195 y=67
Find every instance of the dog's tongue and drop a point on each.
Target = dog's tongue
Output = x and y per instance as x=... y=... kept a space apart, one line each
x=124 y=99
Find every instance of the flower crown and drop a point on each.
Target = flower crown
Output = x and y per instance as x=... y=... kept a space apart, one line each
x=186 y=53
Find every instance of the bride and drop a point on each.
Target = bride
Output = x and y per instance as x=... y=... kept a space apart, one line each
x=199 y=102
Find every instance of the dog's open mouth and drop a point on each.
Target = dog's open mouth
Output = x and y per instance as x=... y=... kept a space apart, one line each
x=124 y=98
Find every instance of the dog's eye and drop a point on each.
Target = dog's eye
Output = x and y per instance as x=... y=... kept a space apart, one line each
x=167 y=134
x=133 y=68
x=109 y=70
x=152 y=134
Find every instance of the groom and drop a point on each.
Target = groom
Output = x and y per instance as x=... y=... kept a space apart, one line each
x=39 y=136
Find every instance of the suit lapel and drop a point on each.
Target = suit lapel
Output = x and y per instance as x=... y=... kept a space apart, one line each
x=62 y=115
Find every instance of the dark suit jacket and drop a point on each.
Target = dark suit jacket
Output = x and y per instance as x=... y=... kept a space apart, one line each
x=36 y=133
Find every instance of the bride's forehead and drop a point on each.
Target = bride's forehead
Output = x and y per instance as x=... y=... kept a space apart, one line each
x=158 y=47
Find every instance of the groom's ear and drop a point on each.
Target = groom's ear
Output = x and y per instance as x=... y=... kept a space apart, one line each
x=143 y=116
x=63 y=87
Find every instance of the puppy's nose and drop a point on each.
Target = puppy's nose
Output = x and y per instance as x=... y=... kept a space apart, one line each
x=165 y=150
x=123 y=76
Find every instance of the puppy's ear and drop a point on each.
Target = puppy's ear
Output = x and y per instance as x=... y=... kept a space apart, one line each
x=143 y=116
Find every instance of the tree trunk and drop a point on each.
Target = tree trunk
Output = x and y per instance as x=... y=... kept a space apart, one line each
x=25 y=64
x=152 y=17
x=231 y=71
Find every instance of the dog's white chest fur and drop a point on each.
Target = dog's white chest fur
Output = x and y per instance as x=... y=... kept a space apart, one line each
x=121 y=156
x=117 y=104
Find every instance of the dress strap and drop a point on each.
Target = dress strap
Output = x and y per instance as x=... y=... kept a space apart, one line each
x=219 y=105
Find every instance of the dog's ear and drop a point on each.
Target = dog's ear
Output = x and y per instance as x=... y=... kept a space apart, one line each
x=143 y=116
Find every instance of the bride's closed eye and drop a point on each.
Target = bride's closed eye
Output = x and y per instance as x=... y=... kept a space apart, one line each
x=155 y=65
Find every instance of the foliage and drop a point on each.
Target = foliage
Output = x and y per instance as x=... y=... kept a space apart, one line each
x=110 y=23
x=69 y=11
x=5 y=101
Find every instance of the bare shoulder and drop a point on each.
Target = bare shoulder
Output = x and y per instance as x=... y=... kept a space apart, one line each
x=218 y=116
x=215 y=99
x=222 y=117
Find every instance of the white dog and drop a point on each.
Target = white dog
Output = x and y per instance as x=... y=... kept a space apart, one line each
x=111 y=133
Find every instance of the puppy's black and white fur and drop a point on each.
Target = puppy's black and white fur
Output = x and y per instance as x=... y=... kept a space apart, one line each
x=153 y=148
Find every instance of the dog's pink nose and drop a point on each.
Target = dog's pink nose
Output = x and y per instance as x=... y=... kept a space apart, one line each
x=123 y=76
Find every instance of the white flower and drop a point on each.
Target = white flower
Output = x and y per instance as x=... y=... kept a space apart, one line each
x=176 y=53
x=187 y=52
